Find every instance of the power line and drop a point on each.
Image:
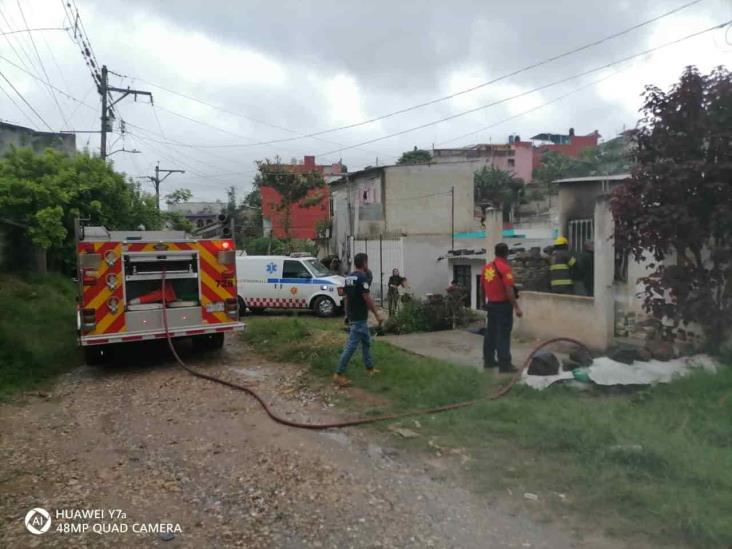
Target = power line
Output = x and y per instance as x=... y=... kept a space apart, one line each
x=35 y=30
x=81 y=39
x=473 y=88
x=20 y=45
x=522 y=94
x=17 y=106
x=301 y=135
x=25 y=101
x=547 y=103
x=43 y=67
x=47 y=83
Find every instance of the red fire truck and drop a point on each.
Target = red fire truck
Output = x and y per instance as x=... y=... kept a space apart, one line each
x=122 y=297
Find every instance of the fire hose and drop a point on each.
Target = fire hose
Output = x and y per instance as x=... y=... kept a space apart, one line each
x=358 y=421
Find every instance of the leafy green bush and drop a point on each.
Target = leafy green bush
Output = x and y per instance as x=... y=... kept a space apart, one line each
x=436 y=313
x=37 y=326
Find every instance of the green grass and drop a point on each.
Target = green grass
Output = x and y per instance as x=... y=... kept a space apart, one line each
x=37 y=324
x=653 y=463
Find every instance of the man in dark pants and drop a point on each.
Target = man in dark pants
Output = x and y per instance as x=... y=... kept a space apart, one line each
x=500 y=295
x=358 y=303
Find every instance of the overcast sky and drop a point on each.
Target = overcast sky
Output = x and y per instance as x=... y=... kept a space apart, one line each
x=280 y=69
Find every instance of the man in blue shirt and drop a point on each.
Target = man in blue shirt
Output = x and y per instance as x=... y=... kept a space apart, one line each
x=358 y=303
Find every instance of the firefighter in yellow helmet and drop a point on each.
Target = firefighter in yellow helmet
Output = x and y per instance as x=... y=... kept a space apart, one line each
x=561 y=267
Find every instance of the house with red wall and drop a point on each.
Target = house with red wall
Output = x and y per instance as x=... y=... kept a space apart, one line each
x=303 y=220
x=565 y=144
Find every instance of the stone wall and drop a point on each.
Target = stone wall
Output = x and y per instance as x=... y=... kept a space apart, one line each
x=531 y=270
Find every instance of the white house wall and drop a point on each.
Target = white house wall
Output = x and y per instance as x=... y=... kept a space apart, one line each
x=418 y=201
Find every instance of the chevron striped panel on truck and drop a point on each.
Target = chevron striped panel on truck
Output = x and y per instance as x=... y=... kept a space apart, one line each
x=218 y=282
x=109 y=284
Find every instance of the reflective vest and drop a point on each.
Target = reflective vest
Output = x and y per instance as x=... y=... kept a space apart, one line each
x=559 y=269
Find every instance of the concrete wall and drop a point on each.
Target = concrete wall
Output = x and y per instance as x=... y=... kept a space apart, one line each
x=589 y=320
x=417 y=198
x=424 y=269
x=18 y=136
x=551 y=315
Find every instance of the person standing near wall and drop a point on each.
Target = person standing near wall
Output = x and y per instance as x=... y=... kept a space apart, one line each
x=395 y=281
x=501 y=303
x=586 y=268
x=561 y=267
x=358 y=303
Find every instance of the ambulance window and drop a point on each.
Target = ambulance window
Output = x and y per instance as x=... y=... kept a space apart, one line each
x=294 y=269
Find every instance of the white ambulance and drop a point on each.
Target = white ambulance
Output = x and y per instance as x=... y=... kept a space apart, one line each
x=287 y=282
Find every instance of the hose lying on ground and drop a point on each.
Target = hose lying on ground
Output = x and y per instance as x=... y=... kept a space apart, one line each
x=359 y=421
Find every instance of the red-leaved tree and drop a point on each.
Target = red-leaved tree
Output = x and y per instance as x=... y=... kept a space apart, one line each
x=677 y=206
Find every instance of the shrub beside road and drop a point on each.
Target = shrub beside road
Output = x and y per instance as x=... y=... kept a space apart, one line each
x=653 y=462
x=37 y=339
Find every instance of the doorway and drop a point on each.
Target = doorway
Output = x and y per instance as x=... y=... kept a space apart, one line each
x=461 y=275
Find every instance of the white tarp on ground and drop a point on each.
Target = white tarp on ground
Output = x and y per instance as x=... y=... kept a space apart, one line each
x=605 y=371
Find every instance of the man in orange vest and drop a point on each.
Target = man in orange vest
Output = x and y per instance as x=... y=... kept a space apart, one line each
x=501 y=303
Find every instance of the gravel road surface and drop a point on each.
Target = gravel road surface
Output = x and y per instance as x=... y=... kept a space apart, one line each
x=143 y=437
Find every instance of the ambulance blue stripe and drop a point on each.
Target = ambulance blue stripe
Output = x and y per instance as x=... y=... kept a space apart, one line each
x=318 y=281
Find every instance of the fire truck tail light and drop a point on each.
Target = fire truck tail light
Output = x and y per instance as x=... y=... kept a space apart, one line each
x=88 y=277
x=226 y=245
x=88 y=319
x=232 y=308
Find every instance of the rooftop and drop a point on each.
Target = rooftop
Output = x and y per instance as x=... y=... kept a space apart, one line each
x=619 y=177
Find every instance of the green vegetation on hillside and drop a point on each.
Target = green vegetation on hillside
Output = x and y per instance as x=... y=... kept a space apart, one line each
x=37 y=339
x=654 y=463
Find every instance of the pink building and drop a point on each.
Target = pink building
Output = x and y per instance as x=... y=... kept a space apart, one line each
x=516 y=156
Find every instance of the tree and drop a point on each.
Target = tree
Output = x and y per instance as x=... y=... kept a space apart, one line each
x=294 y=188
x=178 y=196
x=677 y=207
x=44 y=193
x=609 y=158
x=498 y=188
x=415 y=156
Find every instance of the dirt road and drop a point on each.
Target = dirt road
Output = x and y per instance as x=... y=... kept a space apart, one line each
x=143 y=437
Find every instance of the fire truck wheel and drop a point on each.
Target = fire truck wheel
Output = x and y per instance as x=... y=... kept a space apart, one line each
x=208 y=342
x=96 y=354
x=324 y=307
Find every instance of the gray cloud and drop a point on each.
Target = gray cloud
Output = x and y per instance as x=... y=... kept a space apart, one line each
x=318 y=64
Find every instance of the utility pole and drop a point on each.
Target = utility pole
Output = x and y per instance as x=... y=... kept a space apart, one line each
x=452 y=218
x=156 y=180
x=105 y=91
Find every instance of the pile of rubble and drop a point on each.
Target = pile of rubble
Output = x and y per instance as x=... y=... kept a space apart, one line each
x=649 y=338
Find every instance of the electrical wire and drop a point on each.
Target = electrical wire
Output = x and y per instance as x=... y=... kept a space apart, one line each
x=35 y=30
x=478 y=86
x=43 y=67
x=533 y=90
x=26 y=101
x=547 y=103
x=47 y=83
x=301 y=134
x=30 y=65
x=17 y=106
